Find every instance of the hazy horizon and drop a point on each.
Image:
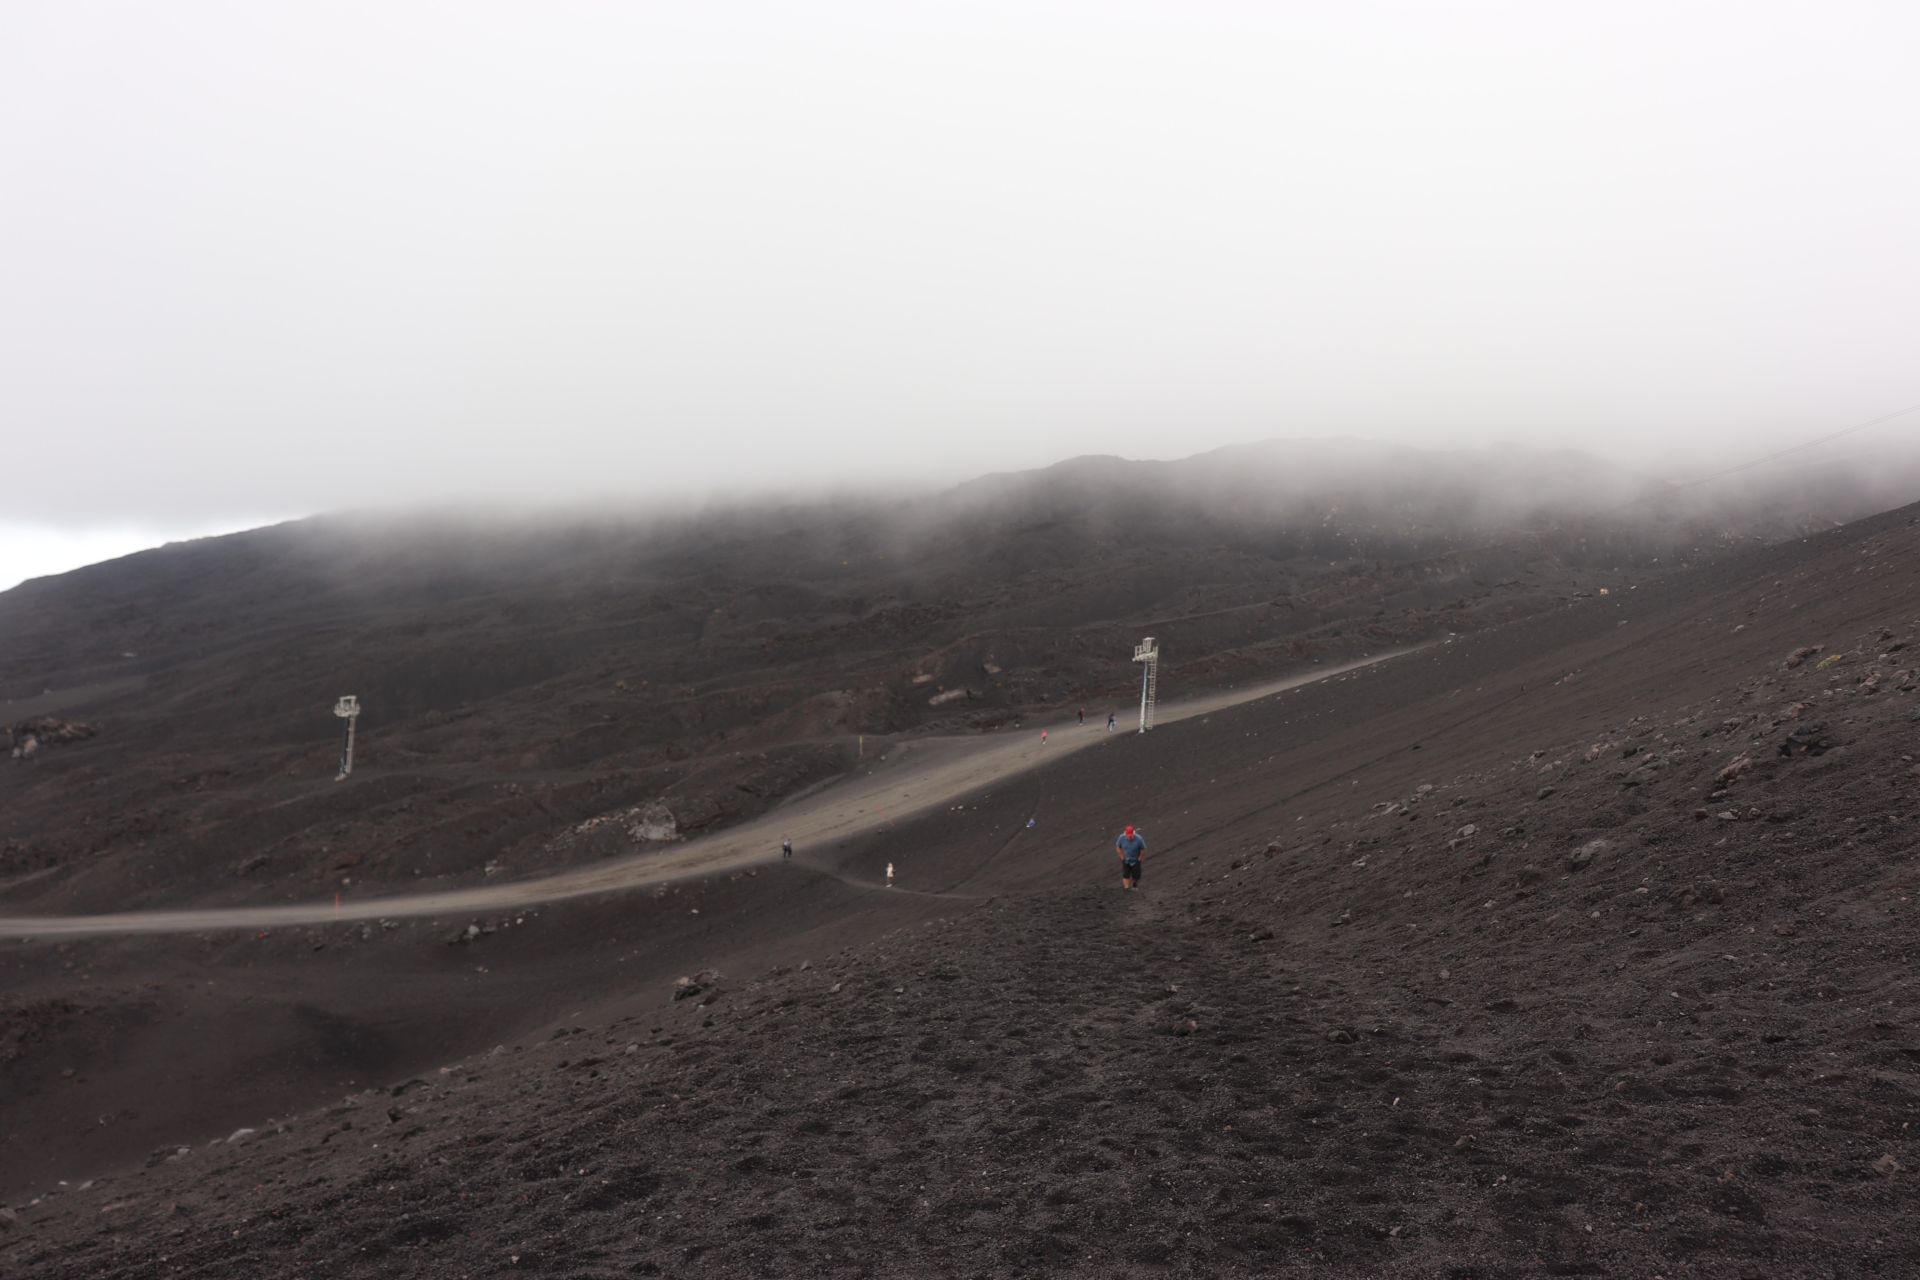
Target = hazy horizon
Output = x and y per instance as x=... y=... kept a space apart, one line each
x=27 y=551
x=261 y=262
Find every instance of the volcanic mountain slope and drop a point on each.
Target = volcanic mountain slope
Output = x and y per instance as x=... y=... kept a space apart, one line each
x=523 y=677
x=1581 y=946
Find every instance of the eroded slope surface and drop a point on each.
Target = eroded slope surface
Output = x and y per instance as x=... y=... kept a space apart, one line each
x=521 y=677
x=1580 y=947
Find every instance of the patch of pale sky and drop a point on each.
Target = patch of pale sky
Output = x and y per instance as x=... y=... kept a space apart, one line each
x=37 y=550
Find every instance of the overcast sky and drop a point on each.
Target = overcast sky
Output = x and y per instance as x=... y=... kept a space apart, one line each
x=259 y=260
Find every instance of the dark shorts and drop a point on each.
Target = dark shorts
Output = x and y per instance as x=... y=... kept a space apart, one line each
x=1131 y=871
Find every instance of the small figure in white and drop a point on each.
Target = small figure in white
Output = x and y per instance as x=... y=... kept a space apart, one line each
x=1110 y=721
x=1032 y=823
x=786 y=848
x=889 y=875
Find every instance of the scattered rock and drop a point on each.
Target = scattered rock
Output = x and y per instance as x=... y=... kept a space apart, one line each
x=1341 y=1035
x=695 y=985
x=1801 y=654
x=1784 y=930
x=28 y=737
x=1687 y=897
x=1886 y=1166
x=1579 y=858
x=652 y=822
x=1468 y=830
x=1739 y=765
x=239 y=1136
x=1812 y=740
x=1184 y=1027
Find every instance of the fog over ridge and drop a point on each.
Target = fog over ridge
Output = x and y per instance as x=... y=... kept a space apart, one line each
x=266 y=262
x=1500 y=486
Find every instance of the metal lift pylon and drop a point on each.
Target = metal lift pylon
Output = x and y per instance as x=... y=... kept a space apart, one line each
x=1145 y=652
x=348 y=709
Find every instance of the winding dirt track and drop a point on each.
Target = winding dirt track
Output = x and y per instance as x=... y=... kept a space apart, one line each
x=919 y=776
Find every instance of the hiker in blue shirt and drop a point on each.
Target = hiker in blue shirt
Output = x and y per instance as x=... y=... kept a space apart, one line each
x=1131 y=847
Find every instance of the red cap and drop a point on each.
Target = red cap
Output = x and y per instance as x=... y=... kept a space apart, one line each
x=1129 y=830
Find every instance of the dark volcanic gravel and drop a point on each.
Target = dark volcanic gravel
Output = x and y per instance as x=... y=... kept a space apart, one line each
x=1581 y=947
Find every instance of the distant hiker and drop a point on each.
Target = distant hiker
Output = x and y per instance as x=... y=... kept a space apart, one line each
x=786 y=847
x=1083 y=715
x=1110 y=721
x=1043 y=737
x=1131 y=847
x=889 y=875
x=1032 y=823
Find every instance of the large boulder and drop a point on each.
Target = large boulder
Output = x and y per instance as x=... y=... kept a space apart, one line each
x=27 y=738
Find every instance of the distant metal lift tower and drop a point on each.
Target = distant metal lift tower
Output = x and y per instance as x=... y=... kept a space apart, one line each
x=348 y=709
x=1144 y=652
